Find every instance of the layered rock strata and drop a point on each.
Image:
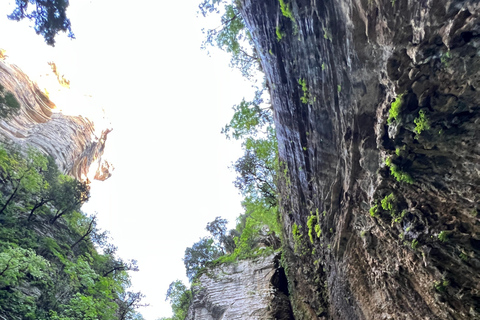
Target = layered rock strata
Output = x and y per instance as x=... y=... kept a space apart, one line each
x=71 y=140
x=248 y=289
x=396 y=201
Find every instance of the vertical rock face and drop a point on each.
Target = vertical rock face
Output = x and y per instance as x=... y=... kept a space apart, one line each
x=70 y=140
x=249 y=289
x=396 y=201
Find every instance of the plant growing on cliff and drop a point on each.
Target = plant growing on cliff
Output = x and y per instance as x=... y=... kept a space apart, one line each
x=443 y=236
x=388 y=204
x=441 y=285
x=199 y=254
x=373 y=211
x=306 y=96
x=414 y=244
x=9 y=105
x=395 y=109
x=421 y=122
x=313 y=227
x=286 y=10
x=399 y=175
x=279 y=33
x=59 y=262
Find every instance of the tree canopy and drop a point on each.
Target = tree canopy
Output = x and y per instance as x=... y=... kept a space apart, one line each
x=231 y=35
x=48 y=246
x=49 y=17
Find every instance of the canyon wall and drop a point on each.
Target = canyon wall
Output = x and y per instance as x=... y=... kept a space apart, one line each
x=246 y=290
x=71 y=140
x=391 y=205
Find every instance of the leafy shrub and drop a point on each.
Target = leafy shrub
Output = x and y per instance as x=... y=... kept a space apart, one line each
x=398 y=174
x=422 y=123
x=443 y=236
x=286 y=11
x=395 y=109
x=373 y=210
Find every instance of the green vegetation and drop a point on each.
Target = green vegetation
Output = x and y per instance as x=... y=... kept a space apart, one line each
x=463 y=256
x=388 y=203
x=286 y=10
x=252 y=123
x=441 y=286
x=399 y=218
x=339 y=88
x=306 y=95
x=395 y=109
x=9 y=105
x=47 y=247
x=313 y=227
x=421 y=122
x=414 y=244
x=445 y=58
x=279 y=33
x=180 y=298
x=443 y=236
x=231 y=36
x=327 y=34
x=399 y=151
x=373 y=210
x=399 y=175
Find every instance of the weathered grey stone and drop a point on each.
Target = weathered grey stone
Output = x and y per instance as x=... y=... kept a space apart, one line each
x=247 y=289
x=355 y=58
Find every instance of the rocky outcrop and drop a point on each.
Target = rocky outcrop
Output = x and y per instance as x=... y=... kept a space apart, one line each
x=396 y=200
x=71 y=140
x=248 y=289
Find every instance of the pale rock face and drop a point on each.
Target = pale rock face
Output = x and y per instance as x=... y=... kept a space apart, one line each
x=71 y=140
x=248 y=289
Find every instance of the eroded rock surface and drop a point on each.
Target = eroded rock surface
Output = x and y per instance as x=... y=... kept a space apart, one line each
x=248 y=289
x=71 y=140
x=416 y=256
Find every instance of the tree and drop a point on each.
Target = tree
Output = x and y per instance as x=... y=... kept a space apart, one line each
x=231 y=36
x=70 y=194
x=49 y=17
x=218 y=229
x=9 y=105
x=46 y=193
x=128 y=302
x=180 y=298
x=250 y=119
x=197 y=256
x=256 y=169
x=21 y=174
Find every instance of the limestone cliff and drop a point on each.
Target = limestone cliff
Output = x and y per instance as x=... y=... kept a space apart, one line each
x=396 y=200
x=249 y=289
x=71 y=140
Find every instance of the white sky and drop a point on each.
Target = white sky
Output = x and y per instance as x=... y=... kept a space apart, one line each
x=167 y=102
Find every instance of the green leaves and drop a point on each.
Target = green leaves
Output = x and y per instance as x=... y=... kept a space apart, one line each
x=180 y=298
x=231 y=36
x=49 y=17
x=18 y=263
x=197 y=256
x=68 y=282
x=249 y=119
